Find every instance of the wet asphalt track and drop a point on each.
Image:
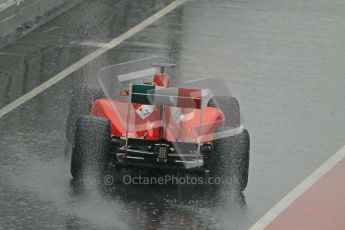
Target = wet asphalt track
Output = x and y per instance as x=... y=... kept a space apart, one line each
x=284 y=60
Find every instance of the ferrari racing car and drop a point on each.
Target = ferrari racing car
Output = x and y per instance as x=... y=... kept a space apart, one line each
x=142 y=117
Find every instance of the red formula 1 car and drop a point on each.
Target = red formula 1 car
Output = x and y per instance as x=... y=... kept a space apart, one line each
x=141 y=118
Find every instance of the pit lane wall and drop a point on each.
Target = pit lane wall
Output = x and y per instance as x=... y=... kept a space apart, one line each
x=18 y=17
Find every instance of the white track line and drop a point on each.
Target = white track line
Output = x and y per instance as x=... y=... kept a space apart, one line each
x=110 y=45
x=89 y=43
x=299 y=190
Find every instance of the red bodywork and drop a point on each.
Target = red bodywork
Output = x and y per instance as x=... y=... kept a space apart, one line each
x=183 y=128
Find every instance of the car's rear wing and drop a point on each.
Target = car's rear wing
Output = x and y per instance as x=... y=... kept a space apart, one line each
x=177 y=97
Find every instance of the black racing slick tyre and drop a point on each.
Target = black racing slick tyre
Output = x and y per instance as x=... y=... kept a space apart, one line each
x=90 y=152
x=230 y=158
x=230 y=108
x=81 y=104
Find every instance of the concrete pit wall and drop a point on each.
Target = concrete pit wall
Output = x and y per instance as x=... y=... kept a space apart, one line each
x=18 y=17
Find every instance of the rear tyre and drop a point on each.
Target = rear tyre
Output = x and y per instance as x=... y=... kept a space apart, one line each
x=90 y=153
x=81 y=104
x=230 y=108
x=230 y=159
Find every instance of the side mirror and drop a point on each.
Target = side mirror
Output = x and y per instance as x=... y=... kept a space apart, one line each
x=147 y=82
x=124 y=92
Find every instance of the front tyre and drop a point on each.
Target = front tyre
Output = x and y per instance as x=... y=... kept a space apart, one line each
x=90 y=153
